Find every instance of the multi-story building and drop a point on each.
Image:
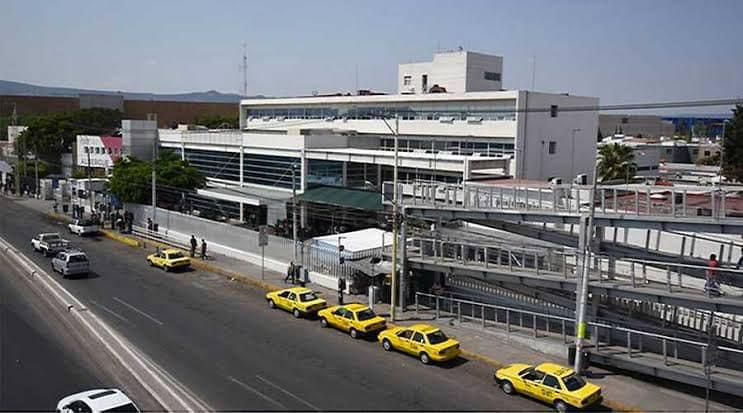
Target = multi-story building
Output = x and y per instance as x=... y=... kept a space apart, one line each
x=97 y=151
x=348 y=141
x=458 y=71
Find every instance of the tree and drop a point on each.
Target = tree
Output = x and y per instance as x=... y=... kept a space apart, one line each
x=54 y=133
x=616 y=162
x=732 y=147
x=131 y=180
x=218 y=121
x=713 y=160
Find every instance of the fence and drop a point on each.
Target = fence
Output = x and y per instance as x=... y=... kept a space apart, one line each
x=603 y=337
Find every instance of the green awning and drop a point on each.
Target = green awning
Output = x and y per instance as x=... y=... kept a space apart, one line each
x=343 y=197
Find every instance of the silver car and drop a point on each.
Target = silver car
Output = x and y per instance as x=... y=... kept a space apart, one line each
x=70 y=262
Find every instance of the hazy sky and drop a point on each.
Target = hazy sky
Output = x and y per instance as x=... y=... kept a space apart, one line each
x=621 y=51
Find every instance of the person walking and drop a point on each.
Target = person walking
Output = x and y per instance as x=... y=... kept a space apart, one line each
x=711 y=285
x=203 y=249
x=289 y=272
x=341 y=289
x=194 y=243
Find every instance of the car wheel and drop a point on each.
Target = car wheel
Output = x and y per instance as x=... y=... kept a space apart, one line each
x=386 y=345
x=424 y=358
x=53 y=268
x=271 y=304
x=149 y=262
x=64 y=274
x=560 y=406
x=166 y=268
x=354 y=333
x=296 y=313
x=323 y=322
x=507 y=387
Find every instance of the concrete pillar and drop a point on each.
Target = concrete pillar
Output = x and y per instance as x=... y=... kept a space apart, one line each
x=242 y=213
x=344 y=168
x=242 y=167
x=404 y=281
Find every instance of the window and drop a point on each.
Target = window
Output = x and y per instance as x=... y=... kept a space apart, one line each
x=304 y=297
x=706 y=153
x=625 y=121
x=284 y=294
x=407 y=80
x=553 y=111
x=175 y=255
x=424 y=83
x=437 y=337
x=405 y=334
x=552 y=147
x=574 y=382
x=292 y=296
x=531 y=374
x=348 y=315
x=364 y=315
x=85 y=148
x=124 y=408
x=495 y=77
x=551 y=381
x=79 y=406
x=418 y=338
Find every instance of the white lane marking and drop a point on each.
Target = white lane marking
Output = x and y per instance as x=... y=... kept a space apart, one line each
x=256 y=392
x=133 y=308
x=110 y=311
x=288 y=393
x=199 y=404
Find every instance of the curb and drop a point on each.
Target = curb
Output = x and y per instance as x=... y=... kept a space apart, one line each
x=242 y=278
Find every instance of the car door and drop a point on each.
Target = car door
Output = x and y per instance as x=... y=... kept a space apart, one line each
x=337 y=319
x=403 y=340
x=58 y=261
x=290 y=301
x=417 y=343
x=549 y=388
x=348 y=319
x=281 y=300
x=531 y=383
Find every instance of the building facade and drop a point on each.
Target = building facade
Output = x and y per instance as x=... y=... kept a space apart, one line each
x=97 y=151
x=644 y=126
x=457 y=71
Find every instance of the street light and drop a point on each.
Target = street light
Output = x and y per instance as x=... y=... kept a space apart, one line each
x=572 y=156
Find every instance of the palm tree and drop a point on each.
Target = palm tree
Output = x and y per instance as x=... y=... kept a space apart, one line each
x=616 y=161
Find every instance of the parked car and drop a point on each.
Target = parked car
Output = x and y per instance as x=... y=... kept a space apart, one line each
x=48 y=243
x=424 y=341
x=551 y=383
x=83 y=227
x=299 y=301
x=356 y=319
x=70 y=262
x=97 y=401
x=169 y=259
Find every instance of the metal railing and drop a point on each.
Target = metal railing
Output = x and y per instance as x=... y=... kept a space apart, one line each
x=633 y=200
x=603 y=337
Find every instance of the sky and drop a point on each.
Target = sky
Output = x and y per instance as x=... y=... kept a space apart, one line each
x=621 y=51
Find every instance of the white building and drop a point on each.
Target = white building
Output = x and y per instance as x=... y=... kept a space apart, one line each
x=97 y=151
x=458 y=71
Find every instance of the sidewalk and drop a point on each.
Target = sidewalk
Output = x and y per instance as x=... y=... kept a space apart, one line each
x=621 y=392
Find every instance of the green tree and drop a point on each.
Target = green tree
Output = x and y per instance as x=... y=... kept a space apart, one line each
x=616 y=162
x=732 y=147
x=131 y=180
x=54 y=133
x=218 y=121
x=713 y=160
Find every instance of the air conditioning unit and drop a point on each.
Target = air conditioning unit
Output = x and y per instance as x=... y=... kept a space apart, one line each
x=555 y=181
x=474 y=119
x=266 y=118
x=329 y=118
x=446 y=119
x=281 y=118
x=581 y=179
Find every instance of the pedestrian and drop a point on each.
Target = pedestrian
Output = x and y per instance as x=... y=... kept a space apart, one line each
x=203 y=249
x=289 y=272
x=296 y=274
x=341 y=289
x=711 y=285
x=55 y=206
x=194 y=243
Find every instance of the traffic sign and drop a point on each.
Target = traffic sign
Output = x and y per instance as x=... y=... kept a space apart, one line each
x=262 y=236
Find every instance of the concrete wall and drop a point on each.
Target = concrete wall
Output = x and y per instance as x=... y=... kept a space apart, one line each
x=102 y=101
x=169 y=113
x=457 y=71
x=634 y=125
x=477 y=65
x=138 y=138
x=537 y=128
x=415 y=71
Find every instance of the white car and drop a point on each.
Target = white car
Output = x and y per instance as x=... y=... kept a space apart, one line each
x=48 y=243
x=97 y=401
x=83 y=227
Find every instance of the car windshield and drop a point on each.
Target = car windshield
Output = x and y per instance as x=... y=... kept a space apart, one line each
x=437 y=337
x=51 y=237
x=307 y=296
x=574 y=382
x=365 y=314
x=78 y=258
x=129 y=407
x=174 y=255
x=86 y=223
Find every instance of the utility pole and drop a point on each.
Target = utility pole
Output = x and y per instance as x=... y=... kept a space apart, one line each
x=36 y=169
x=585 y=247
x=294 y=209
x=395 y=200
x=244 y=67
x=13 y=121
x=154 y=175
x=90 y=186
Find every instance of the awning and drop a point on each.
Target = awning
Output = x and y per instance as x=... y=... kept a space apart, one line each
x=344 y=197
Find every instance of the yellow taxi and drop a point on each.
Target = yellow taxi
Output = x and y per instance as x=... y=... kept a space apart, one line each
x=424 y=341
x=297 y=300
x=550 y=383
x=169 y=259
x=356 y=319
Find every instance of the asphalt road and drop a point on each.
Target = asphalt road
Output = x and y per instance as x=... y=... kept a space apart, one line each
x=220 y=339
x=39 y=362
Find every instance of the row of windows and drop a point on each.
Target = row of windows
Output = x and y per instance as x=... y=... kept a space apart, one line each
x=101 y=150
x=456 y=147
x=450 y=112
x=257 y=169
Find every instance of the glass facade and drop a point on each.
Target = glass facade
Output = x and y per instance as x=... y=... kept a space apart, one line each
x=215 y=164
x=455 y=146
x=258 y=169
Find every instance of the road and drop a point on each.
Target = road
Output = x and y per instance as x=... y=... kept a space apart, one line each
x=220 y=340
x=40 y=362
